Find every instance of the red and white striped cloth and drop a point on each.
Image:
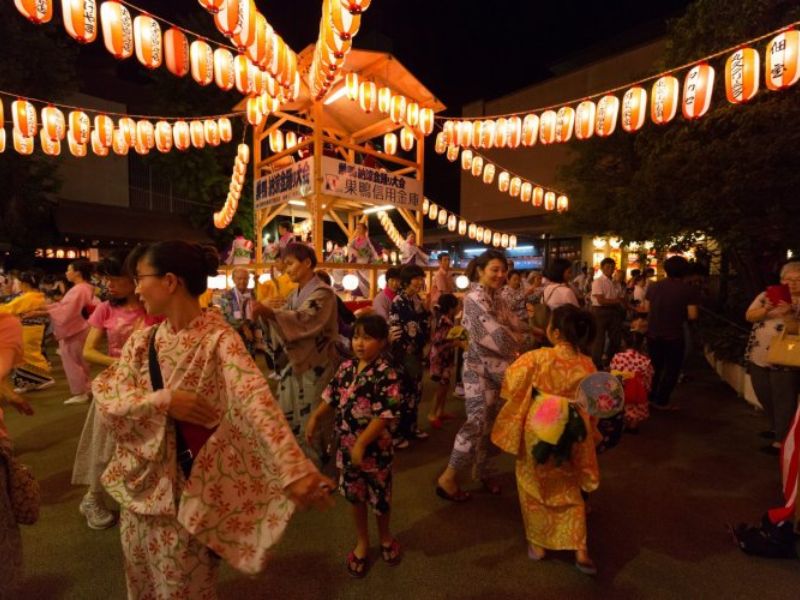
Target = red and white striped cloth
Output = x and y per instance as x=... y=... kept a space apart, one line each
x=790 y=458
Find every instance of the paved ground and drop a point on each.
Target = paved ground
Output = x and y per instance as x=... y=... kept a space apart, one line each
x=657 y=529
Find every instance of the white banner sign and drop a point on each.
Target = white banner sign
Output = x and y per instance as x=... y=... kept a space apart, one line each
x=290 y=183
x=358 y=182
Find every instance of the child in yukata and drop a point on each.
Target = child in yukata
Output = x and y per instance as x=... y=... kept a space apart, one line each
x=442 y=356
x=365 y=395
x=636 y=371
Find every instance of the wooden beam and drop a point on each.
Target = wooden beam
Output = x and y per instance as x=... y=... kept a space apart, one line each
x=421 y=177
x=408 y=218
x=283 y=154
x=404 y=171
x=267 y=130
x=317 y=213
x=348 y=232
x=375 y=153
x=294 y=119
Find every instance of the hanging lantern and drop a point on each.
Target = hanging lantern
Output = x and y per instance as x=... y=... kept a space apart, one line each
x=500 y=133
x=585 y=119
x=525 y=191
x=77 y=150
x=356 y=6
x=53 y=123
x=80 y=19
x=549 y=201
x=634 y=104
x=254 y=114
x=257 y=48
x=562 y=203
x=36 y=11
x=464 y=134
x=477 y=132
x=79 y=127
x=128 y=128
x=367 y=96
x=512 y=241
x=241 y=73
x=515 y=187
x=119 y=144
x=23 y=144
x=2 y=140
x=487 y=236
x=352 y=86
x=442 y=217
x=433 y=211
x=477 y=166
x=104 y=127
x=211 y=6
x=181 y=135
x=426 y=204
x=466 y=160
x=547 y=127
x=664 y=100
x=471 y=231
x=243 y=153
x=397 y=109
x=176 y=52
x=487 y=134
x=390 y=143
x=697 y=89
x=607 y=110
x=245 y=29
x=145 y=134
x=462 y=227
x=225 y=129
x=514 y=129
x=197 y=134
x=163 y=136
x=742 y=71
x=147 y=37
x=276 y=140
x=565 y=123
x=49 y=147
x=782 y=68
x=23 y=114
x=344 y=23
x=201 y=58
x=479 y=234
x=503 y=181
x=290 y=139
x=441 y=145
x=488 y=173
x=452 y=153
x=412 y=114
x=98 y=147
x=384 y=99
x=406 y=139
x=537 y=199
x=496 y=238
x=426 y=121
x=504 y=240
x=117 y=29
x=452 y=222
x=227 y=18
x=448 y=129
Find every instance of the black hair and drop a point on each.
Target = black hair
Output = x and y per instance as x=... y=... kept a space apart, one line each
x=556 y=269
x=482 y=261
x=443 y=255
x=373 y=325
x=649 y=271
x=513 y=272
x=392 y=273
x=635 y=273
x=608 y=261
x=82 y=266
x=576 y=326
x=676 y=267
x=193 y=263
x=301 y=252
x=446 y=303
x=634 y=340
x=410 y=272
x=237 y=231
x=324 y=277
x=285 y=224
x=114 y=265
x=31 y=278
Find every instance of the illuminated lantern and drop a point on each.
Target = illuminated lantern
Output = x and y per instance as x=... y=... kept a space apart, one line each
x=742 y=71
x=487 y=236
x=537 y=199
x=634 y=104
x=433 y=210
x=664 y=100
x=442 y=217
x=223 y=68
x=197 y=134
x=479 y=233
x=426 y=121
x=487 y=134
x=79 y=126
x=356 y=6
x=228 y=16
x=462 y=227
x=697 y=89
x=368 y=96
x=562 y=203
x=390 y=143
x=49 y=147
x=246 y=26
x=406 y=139
x=181 y=135
x=145 y=134
x=23 y=144
x=606 y=120
x=276 y=140
x=426 y=204
x=117 y=29
x=345 y=23
x=384 y=99
x=452 y=222
x=176 y=52
x=471 y=231
x=80 y=19
x=464 y=131
x=254 y=114
x=530 y=130
x=448 y=129
x=128 y=128
x=211 y=6
x=201 y=58
x=565 y=123
x=104 y=127
x=477 y=131
x=147 y=35
x=584 y=120
x=351 y=86
x=290 y=139
x=225 y=129
x=141 y=149
x=119 y=144
x=503 y=181
x=23 y=114
x=526 y=191
x=514 y=128
x=163 y=136
x=397 y=109
x=241 y=73
x=412 y=114
x=496 y=237
x=477 y=166
x=515 y=187
x=53 y=123
x=512 y=241
x=500 y=133
x=98 y=147
x=36 y=11
x=452 y=153
x=547 y=127
x=488 y=173
x=549 y=201
x=441 y=145
x=257 y=48
x=781 y=64
x=243 y=153
x=77 y=150
x=504 y=240
x=2 y=140
x=466 y=160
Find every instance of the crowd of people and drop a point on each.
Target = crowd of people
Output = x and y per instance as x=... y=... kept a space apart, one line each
x=184 y=437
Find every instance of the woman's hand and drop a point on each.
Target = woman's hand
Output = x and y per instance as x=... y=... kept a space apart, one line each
x=395 y=333
x=189 y=407
x=261 y=310
x=783 y=309
x=313 y=490
x=357 y=454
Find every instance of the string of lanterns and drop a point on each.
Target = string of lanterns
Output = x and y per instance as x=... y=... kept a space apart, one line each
x=390 y=229
x=103 y=134
x=223 y=217
x=340 y=22
x=560 y=123
x=479 y=233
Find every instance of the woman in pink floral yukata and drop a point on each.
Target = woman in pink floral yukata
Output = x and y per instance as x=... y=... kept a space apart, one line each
x=205 y=464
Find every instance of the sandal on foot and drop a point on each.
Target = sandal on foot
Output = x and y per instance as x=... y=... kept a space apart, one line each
x=420 y=435
x=458 y=496
x=392 y=554
x=587 y=568
x=356 y=567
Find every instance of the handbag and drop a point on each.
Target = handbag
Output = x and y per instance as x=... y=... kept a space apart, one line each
x=24 y=493
x=541 y=312
x=784 y=350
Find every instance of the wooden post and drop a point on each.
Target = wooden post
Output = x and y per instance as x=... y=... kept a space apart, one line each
x=317 y=212
x=257 y=214
x=420 y=140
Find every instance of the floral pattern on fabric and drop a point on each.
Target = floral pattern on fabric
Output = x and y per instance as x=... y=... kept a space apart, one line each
x=636 y=371
x=761 y=335
x=442 y=355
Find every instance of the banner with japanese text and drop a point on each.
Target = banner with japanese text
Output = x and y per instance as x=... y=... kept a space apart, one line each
x=290 y=183
x=358 y=182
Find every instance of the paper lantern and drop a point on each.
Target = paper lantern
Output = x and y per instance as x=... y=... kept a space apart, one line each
x=397 y=109
x=225 y=129
x=514 y=187
x=390 y=143
x=462 y=227
x=128 y=128
x=241 y=73
x=367 y=96
x=487 y=236
x=441 y=145
x=479 y=234
x=201 y=58
x=477 y=132
x=742 y=72
x=36 y=11
x=119 y=144
x=49 y=147
x=433 y=211
x=537 y=198
x=471 y=231
x=406 y=139
x=384 y=99
x=442 y=217
x=412 y=114
x=426 y=121
x=526 y=191
x=104 y=126
x=464 y=134
x=80 y=19
x=276 y=140
x=344 y=23
x=664 y=100
x=176 y=52
x=512 y=241
x=634 y=105
x=488 y=173
x=243 y=153
x=562 y=203
x=487 y=134
x=504 y=240
x=514 y=130
x=351 y=86
x=227 y=18
x=211 y=6
x=606 y=120
x=565 y=123
x=426 y=204
x=181 y=135
x=245 y=29
x=117 y=29
x=356 y=6
x=697 y=89
x=500 y=133
x=452 y=222
x=290 y=139
x=547 y=127
x=53 y=123
x=585 y=119
x=452 y=153
x=145 y=134
x=781 y=63
x=163 y=136
x=477 y=166
x=257 y=48
x=496 y=237
x=549 y=201
x=254 y=114
x=466 y=160
x=98 y=145
x=23 y=144
x=147 y=37
x=503 y=181
x=77 y=150
x=23 y=115
x=2 y=140
x=79 y=126
x=197 y=134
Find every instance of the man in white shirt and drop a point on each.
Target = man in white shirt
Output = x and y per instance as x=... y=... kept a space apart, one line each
x=608 y=303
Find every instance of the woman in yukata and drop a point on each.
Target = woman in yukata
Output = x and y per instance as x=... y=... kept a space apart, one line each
x=410 y=253
x=200 y=475
x=360 y=250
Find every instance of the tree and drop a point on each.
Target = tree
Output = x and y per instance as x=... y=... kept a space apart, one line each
x=731 y=175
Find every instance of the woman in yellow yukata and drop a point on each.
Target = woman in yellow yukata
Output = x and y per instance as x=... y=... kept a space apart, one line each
x=552 y=469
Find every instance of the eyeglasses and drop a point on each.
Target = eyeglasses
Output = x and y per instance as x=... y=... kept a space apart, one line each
x=138 y=278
